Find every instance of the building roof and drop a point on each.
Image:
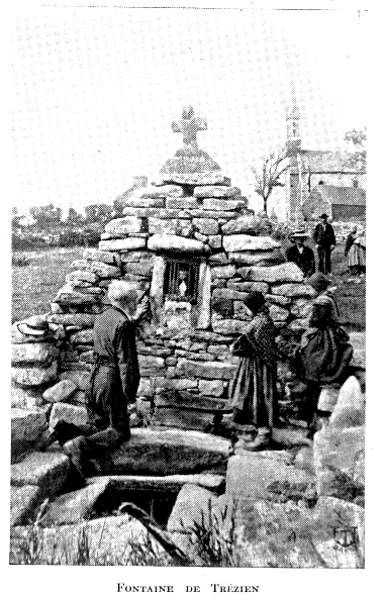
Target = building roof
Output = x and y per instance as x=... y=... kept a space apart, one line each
x=327 y=161
x=349 y=196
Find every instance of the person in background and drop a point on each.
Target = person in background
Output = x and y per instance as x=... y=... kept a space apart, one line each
x=325 y=240
x=348 y=244
x=301 y=255
x=357 y=253
x=253 y=396
x=112 y=388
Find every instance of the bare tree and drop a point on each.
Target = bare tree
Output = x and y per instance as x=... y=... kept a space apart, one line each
x=268 y=171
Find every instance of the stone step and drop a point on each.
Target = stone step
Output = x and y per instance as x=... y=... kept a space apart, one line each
x=75 y=506
x=24 y=500
x=161 y=484
x=110 y=540
x=170 y=451
x=26 y=428
x=47 y=470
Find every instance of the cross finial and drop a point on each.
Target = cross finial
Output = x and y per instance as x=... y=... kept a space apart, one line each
x=189 y=125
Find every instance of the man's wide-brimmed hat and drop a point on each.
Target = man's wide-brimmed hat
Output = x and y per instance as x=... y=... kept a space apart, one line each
x=36 y=325
x=319 y=281
x=254 y=301
x=323 y=216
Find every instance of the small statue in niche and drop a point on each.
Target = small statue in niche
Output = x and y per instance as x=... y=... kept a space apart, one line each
x=182 y=285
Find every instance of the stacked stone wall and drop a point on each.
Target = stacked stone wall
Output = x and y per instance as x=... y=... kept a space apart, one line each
x=186 y=347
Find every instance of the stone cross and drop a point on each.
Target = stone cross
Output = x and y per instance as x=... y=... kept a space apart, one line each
x=189 y=125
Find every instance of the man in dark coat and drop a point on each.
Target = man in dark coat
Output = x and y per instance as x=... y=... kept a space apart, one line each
x=301 y=255
x=113 y=384
x=325 y=240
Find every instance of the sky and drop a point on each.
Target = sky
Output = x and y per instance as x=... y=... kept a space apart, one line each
x=95 y=92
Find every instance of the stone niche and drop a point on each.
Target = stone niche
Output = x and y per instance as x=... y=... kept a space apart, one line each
x=188 y=240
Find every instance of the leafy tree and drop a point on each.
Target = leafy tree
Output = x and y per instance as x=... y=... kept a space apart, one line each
x=73 y=217
x=267 y=173
x=46 y=215
x=98 y=213
x=358 y=139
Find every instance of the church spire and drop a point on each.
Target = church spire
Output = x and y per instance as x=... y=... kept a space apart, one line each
x=294 y=141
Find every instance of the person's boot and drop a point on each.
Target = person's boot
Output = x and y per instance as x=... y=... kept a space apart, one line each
x=261 y=442
x=74 y=450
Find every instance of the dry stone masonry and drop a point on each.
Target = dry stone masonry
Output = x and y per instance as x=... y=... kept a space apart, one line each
x=187 y=239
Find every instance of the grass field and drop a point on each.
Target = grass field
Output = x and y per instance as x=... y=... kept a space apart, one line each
x=36 y=282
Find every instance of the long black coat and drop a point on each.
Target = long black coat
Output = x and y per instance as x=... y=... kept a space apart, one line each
x=115 y=377
x=305 y=260
x=324 y=237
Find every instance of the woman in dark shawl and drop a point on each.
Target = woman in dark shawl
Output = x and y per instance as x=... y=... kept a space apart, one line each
x=253 y=392
x=325 y=349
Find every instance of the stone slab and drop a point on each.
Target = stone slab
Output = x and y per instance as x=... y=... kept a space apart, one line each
x=34 y=376
x=206 y=226
x=75 y=506
x=339 y=457
x=47 y=470
x=111 y=541
x=76 y=415
x=40 y=353
x=248 y=286
x=82 y=275
x=210 y=191
x=162 y=484
x=60 y=392
x=260 y=259
x=253 y=477
x=233 y=204
x=169 y=452
x=207 y=370
x=175 y=243
x=26 y=428
x=242 y=224
x=104 y=270
x=25 y=398
x=227 y=326
x=125 y=225
x=293 y=289
x=24 y=500
x=223 y=272
x=350 y=408
x=288 y=272
x=106 y=257
x=131 y=243
x=194 y=506
x=242 y=242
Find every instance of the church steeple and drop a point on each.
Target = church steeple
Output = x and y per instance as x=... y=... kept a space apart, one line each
x=294 y=142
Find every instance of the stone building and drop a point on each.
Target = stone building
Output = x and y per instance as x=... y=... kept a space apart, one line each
x=343 y=204
x=311 y=168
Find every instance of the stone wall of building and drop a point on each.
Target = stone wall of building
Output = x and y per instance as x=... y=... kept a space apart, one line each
x=204 y=225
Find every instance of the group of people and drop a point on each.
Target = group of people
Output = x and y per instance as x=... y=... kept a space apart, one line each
x=323 y=358
x=325 y=242
x=303 y=256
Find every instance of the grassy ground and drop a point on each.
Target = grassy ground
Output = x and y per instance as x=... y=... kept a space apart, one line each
x=36 y=282
x=37 y=276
